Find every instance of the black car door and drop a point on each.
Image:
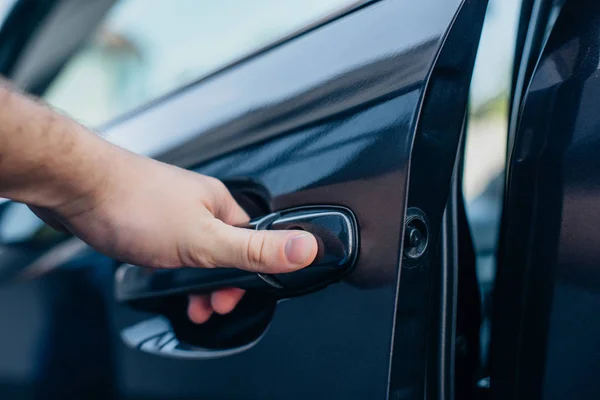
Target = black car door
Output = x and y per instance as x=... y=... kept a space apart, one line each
x=361 y=112
x=545 y=338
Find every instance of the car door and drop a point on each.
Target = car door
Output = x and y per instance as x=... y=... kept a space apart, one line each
x=545 y=338
x=362 y=111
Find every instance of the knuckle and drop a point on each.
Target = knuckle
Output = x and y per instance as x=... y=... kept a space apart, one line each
x=256 y=251
x=200 y=257
x=216 y=185
x=219 y=198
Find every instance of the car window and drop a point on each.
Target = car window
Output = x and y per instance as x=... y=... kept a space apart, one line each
x=146 y=48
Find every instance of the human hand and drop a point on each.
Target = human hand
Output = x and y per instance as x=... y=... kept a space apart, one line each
x=144 y=212
x=132 y=208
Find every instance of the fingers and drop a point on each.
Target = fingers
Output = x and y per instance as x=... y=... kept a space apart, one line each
x=199 y=308
x=256 y=251
x=224 y=301
x=221 y=245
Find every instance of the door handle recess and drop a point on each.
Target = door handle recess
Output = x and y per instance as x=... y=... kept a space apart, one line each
x=164 y=291
x=335 y=229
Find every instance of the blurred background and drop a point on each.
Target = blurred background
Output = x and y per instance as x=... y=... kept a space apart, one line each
x=142 y=49
x=486 y=141
x=145 y=49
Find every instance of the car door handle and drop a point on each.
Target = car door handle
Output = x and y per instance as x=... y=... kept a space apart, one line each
x=335 y=229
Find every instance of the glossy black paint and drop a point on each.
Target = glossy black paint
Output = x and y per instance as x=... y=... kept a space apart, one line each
x=546 y=333
x=465 y=291
x=329 y=71
x=439 y=133
x=325 y=118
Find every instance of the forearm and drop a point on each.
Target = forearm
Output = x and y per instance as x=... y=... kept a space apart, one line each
x=45 y=158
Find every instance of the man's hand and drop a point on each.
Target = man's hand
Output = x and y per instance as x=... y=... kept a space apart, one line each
x=156 y=215
x=132 y=208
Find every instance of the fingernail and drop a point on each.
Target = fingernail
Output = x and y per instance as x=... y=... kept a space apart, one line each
x=299 y=249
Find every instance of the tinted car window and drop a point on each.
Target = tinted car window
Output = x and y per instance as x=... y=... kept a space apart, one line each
x=146 y=48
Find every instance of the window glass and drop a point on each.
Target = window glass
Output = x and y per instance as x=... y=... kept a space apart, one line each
x=147 y=48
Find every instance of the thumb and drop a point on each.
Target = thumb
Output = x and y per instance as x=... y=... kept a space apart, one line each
x=256 y=251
